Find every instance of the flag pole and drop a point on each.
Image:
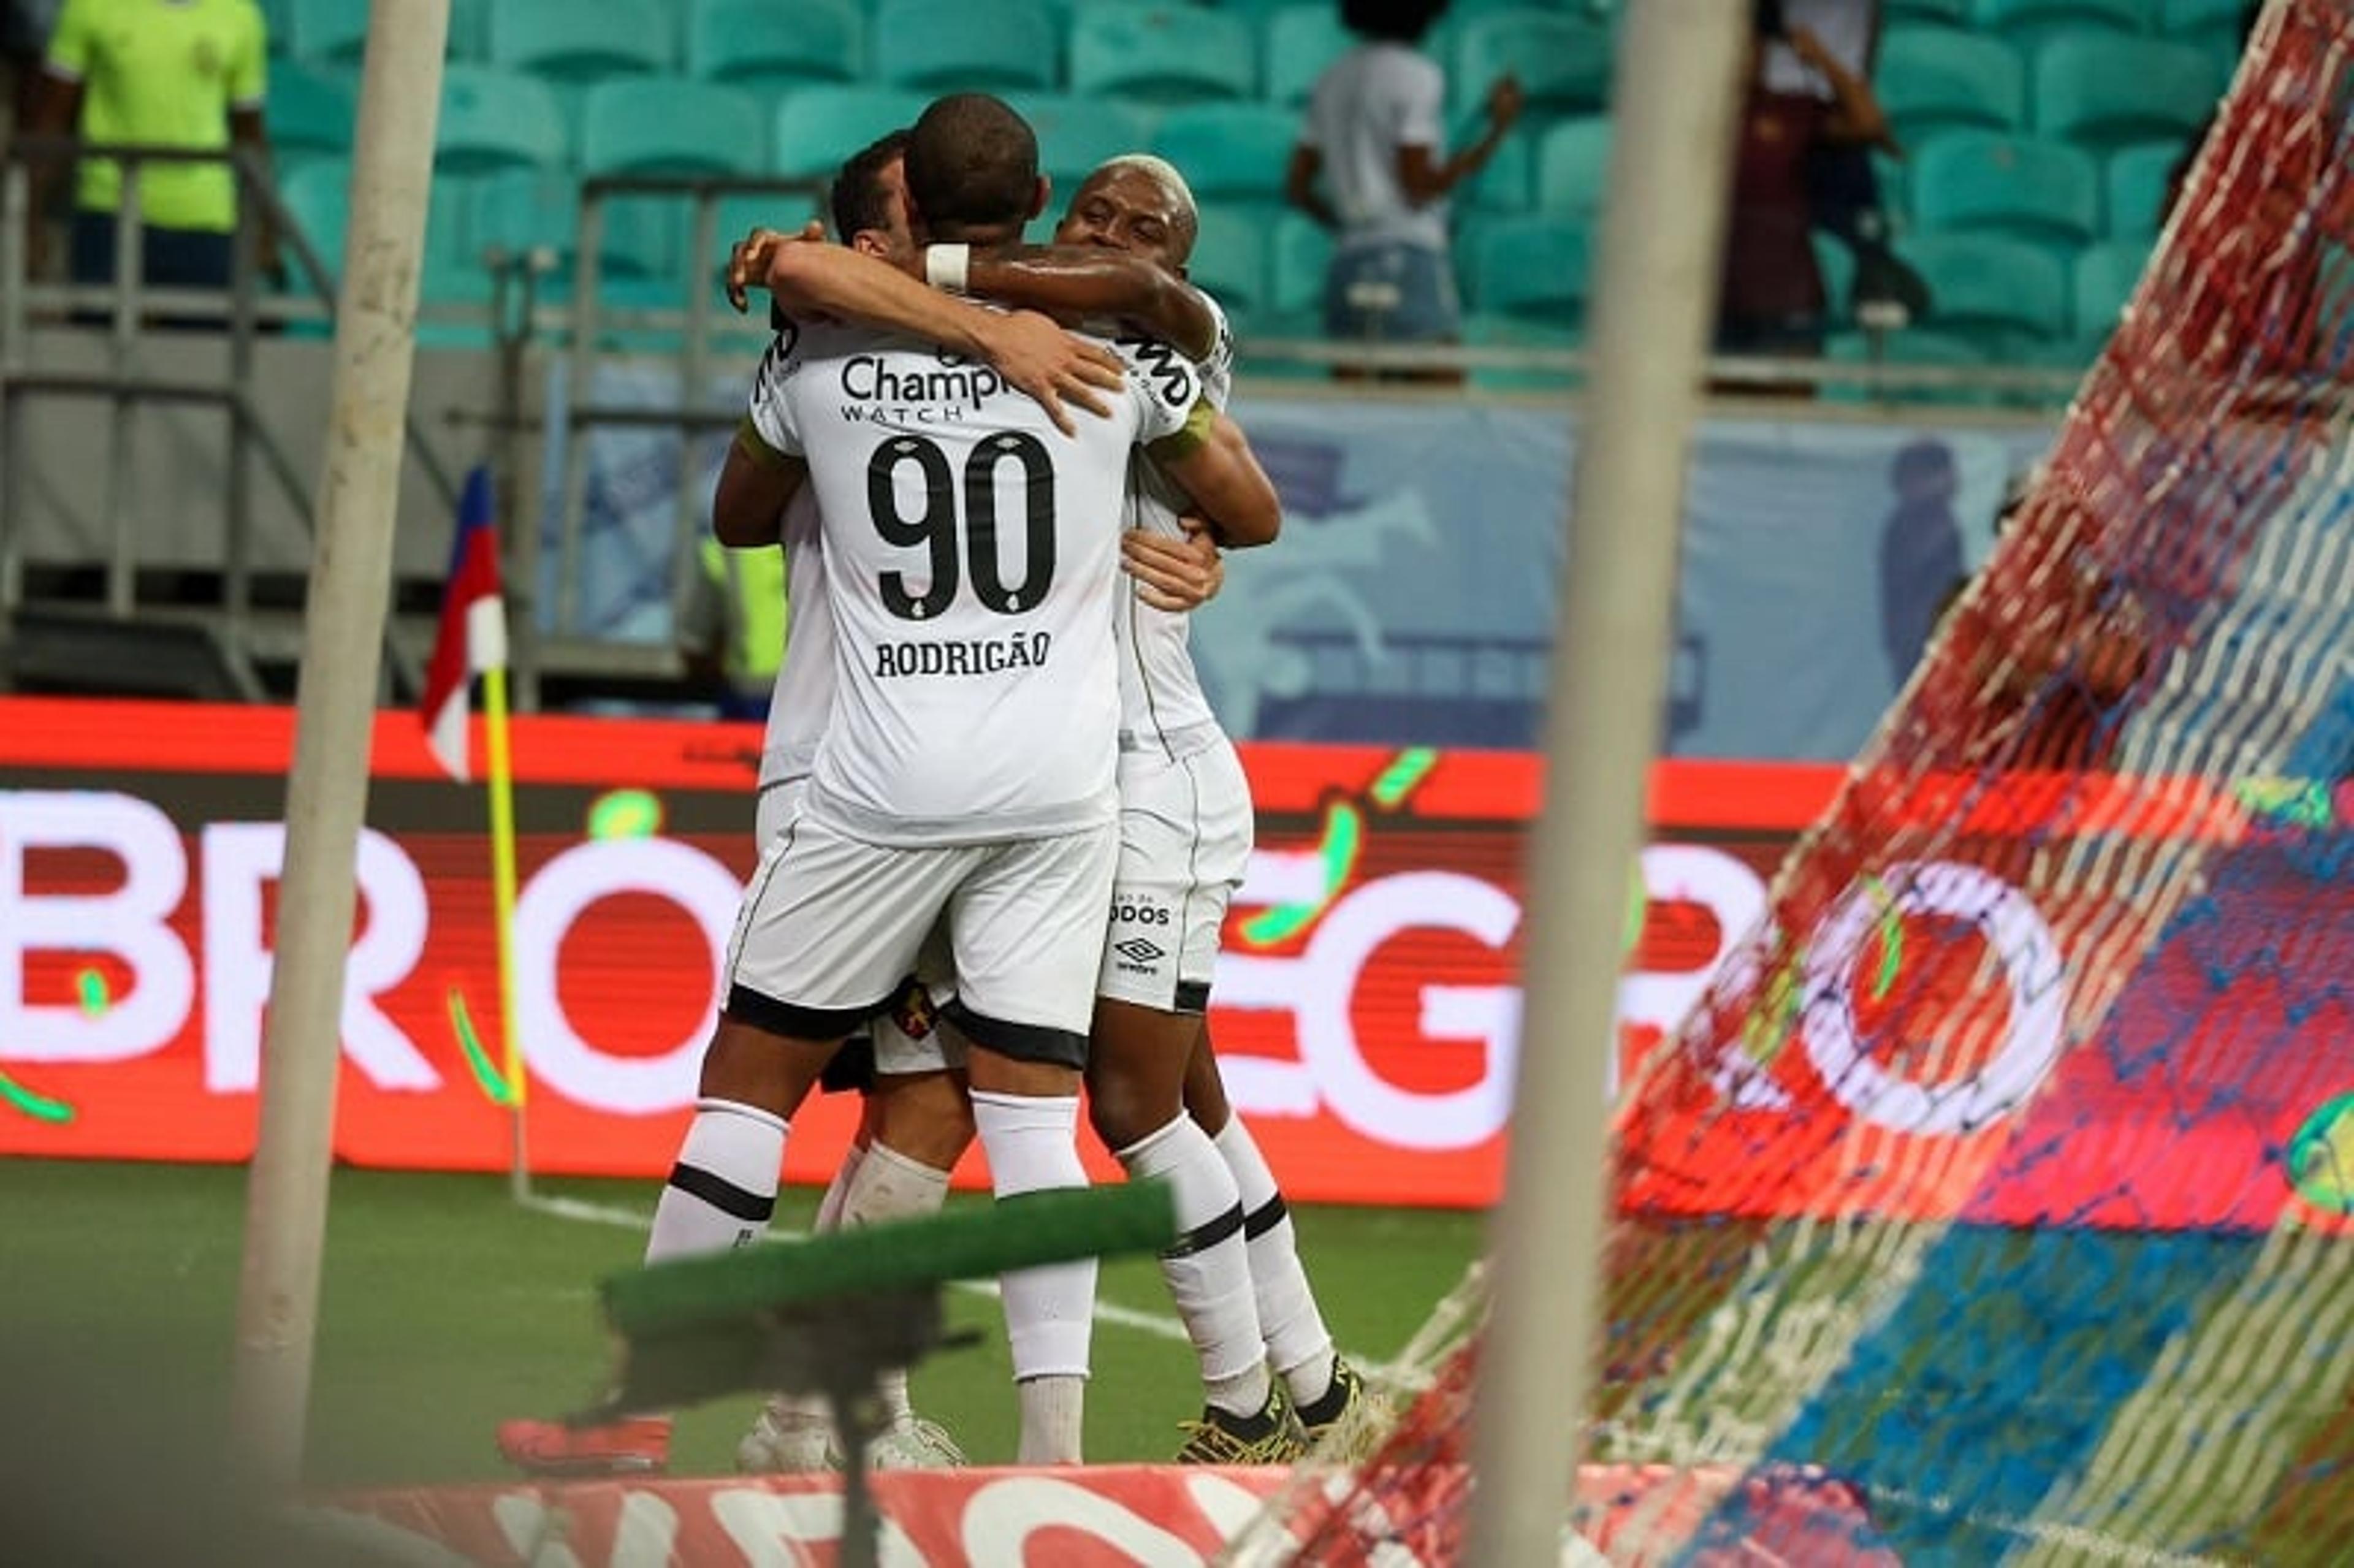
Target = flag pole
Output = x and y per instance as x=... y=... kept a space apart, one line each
x=503 y=900
x=326 y=788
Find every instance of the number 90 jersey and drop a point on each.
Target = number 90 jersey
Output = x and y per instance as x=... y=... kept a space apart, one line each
x=972 y=564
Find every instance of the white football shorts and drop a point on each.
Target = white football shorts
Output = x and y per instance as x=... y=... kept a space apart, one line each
x=831 y=926
x=1185 y=831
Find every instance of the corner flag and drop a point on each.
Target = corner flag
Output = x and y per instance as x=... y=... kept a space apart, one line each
x=474 y=634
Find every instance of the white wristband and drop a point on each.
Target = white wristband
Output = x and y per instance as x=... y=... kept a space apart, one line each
x=944 y=266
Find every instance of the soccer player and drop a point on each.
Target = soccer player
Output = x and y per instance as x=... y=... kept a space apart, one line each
x=1186 y=833
x=969 y=769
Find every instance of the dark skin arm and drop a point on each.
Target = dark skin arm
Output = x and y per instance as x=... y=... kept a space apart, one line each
x=1075 y=283
x=246 y=131
x=1299 y=186
x=1217 y=467
x=57 y=112
x=755 y=483
x=1426 y=179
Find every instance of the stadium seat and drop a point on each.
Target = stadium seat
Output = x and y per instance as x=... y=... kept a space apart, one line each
x=1991 y=290
x=1562 y=61
x=278 y=24
x=1939 y=13
x=1572 y=165
x=1161 y=54
x=1836 y=262
x=2210 y=25
x=1506 y=184
x=2137 y=180
x=470 y=30
x=818 y=127
x=2031 y=189
x=1075 y=134
x=328 y=32
x=1940 y=79
x=2102 y=282
x=941 y=45
x=2029 y=23
x=308 y=109
x=1299 y=256
x=763 y=47
x=522 y=210
x=582 y=41
x=1230 y=152
x=1230 y=263
x=671 y=125
x=2102 y=93
x=1301 y=40
x=318 y=198
x=493 y=119
x=1538 y=268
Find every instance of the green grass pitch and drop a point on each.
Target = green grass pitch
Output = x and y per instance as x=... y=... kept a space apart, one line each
x=447 y=1308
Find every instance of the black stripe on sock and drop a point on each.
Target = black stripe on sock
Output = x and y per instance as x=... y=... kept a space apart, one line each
x=722 y=1194
x=1208 y=1234
x=1263 y=1218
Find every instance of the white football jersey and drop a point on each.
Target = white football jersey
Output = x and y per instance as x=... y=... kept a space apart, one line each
x=1161 y=704
x=971 y=570
x=803 y=699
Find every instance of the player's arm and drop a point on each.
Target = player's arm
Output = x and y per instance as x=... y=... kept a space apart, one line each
x=1077 y=283
x=1212 y=459
x=1034 y=354
x=755 y=483
x=1179 y=573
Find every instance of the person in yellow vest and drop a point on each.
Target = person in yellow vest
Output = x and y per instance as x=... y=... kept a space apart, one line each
x=176 y=73
x=732 y=630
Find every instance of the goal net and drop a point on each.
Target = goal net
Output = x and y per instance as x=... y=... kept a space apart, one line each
x=1993 y=1204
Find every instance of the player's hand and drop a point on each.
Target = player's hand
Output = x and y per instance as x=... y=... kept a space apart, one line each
x=748 y=262
x=1505 y=101
x=1176 y=574
x=1040 y=358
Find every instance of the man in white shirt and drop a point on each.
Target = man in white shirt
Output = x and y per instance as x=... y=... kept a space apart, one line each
x=1375 y=134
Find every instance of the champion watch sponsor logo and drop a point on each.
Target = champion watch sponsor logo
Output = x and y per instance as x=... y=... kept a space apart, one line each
x=1137 y=950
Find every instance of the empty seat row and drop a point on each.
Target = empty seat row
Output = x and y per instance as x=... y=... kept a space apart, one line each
x=2214 y=24
x=2098 y=91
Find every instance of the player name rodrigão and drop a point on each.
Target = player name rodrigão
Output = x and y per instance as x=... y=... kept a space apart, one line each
x=973 y=656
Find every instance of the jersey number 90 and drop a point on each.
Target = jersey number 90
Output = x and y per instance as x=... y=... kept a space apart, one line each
x=935 y=530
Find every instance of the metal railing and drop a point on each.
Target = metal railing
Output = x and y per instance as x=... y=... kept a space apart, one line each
x=125 y=305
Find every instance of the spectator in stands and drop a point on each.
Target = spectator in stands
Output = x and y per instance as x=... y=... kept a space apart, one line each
x=176 y=73
x=25 y=27
x=1375 y=134
x=731 y=634
x=1772 y=300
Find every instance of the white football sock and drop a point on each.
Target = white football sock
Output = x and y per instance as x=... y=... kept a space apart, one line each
x=1208 y=1271
x=829 y=1208
x=1298 y=1344
x=724 y=1187
x=1032 y=1143
x=890 y=1186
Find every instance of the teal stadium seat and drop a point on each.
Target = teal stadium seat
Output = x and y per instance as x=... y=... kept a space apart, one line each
x=671 y=125
x=2029 y=23
x=2101 y=283
x=1537 y=268
x=2021 y=187
x=328 y=32
x=944 y=46
x=1230 y=263
x=763 y=47
x=1562 y=61
x=307 y=109
x=1230 y=152
x=1506 y=184
x=317 y=196
x=2104 y=92
x=578 y=42
x=2210 y=25
x=2001 y=293
x=818 y=127
x=493 y=119
x=1163 y=54
x=2135 y=181
x=1573 y=167
x=1299 y=256
x=1075 y=134
x=519 y=211
x=1931 y=80
x=1301 y=40
x=1936 y=13
x=470 y=30
x=1836 y=262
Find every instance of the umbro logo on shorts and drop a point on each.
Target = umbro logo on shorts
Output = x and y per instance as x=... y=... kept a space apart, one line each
x=1137 y=950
